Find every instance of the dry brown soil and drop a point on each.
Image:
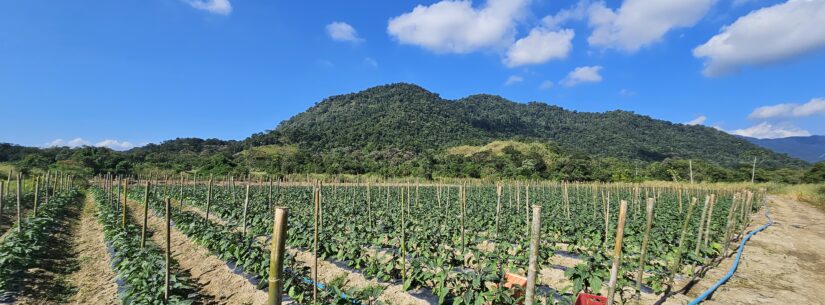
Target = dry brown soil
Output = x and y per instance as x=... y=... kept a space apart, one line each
x=783 y=264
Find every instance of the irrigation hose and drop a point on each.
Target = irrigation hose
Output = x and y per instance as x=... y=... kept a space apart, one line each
x=727 y=276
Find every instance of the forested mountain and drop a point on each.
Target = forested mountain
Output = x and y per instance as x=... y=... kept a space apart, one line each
x=403 y=130
x=811 y=148
x=408 y=119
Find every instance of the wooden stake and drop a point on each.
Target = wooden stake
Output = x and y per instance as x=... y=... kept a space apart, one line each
x=643 y=255
x=617 y=253
x=19 y=199
x=145 y=215
x=2 y=194
x=532 y=268
x=125 y=199
x=245 y=208
x=276 y=257
x=317 y=199
x=403 y=245
x=701 y=226
x=168 y=250
x=208 y=198
x=498 y=209
x=710 y=218
x=36 y=192
x=683 y=236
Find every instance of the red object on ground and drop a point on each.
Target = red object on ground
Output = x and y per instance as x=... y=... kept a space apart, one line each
x=517 y=282
x=590 y=299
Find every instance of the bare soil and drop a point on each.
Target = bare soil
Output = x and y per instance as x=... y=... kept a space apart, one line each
x=783 y=264
x=95 y=279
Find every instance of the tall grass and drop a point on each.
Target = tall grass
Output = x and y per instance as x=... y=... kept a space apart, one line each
x=811 y=193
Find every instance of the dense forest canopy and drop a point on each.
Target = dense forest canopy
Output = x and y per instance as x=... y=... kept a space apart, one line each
x=404 y=130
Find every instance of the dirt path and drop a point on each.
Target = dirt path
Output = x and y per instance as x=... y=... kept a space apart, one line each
x=95 y=279
x=781 y=265
x=213 y=275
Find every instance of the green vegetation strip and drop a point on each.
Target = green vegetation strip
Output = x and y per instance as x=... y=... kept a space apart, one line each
x=20 y=249
x=247 y=254
x=139 y=271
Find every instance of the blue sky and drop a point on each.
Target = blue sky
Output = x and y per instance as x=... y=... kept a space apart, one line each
x=125 y=73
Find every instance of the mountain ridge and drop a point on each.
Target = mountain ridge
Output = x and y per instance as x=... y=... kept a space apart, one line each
x=807 y=148
x=410 y=118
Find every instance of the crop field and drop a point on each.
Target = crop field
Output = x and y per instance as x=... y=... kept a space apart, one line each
x=411 y=243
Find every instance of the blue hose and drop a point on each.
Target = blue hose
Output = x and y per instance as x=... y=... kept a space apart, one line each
x=722 y=281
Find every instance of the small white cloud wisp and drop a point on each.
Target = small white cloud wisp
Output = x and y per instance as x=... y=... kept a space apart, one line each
x=342 y=31
x=697 y=121
x=790 y=110
x=220 y=7
x=767 y=130
x=581 y=75
x=513 y=79
x=80 y=142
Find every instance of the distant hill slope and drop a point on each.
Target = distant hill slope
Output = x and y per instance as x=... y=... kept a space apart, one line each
x=410 y=119
x=811 y=149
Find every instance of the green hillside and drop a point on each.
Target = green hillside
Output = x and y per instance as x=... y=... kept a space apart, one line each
x=408 y=119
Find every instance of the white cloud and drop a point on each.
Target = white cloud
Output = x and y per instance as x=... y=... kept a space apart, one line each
x=581 y=75
x=625 y=92
x=513 y=79
x=79 y=142
x=540 y=46
x=455 y=26
x=220 y=7
x=76 y=142
x=765 y=36
x=813 y=107
x=115 y=144
x=545 y=85
x=370 y=62
x=697 y=121
x=638 y=23
x=577 y=12
x=767 y=130
x=342 y=31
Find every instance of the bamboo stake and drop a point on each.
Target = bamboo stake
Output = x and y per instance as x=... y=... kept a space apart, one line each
x=245 y=208
x=145 y=215
x=498 y=209
x=463 y=211
x=316 y=200
x=532 y=268
x=276 y=258
x=710 y=218
x=643 y=255
x=2 y=194
x=683 y=236
x=125 y=199
x=369 y=207
x=36 y=192
x=617 y=252
x=19 y=198
x=403 y=245
x=168 y=251
x=701 y=226
x=209 y=198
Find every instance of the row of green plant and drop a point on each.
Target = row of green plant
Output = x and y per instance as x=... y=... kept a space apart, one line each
x=139 y=269
x=368 y=236
x=26 y=241
x=251 y=255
